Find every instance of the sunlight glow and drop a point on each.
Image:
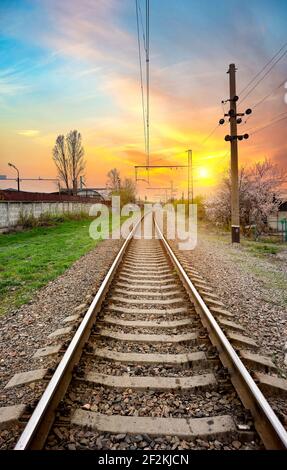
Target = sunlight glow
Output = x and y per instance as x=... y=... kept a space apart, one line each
x=203 y=173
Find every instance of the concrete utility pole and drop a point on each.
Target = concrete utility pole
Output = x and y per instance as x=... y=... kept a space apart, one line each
x=234 y=119
x=235 y=223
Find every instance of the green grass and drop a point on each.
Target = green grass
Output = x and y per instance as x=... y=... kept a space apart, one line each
x=32 y=258
x=262 y=248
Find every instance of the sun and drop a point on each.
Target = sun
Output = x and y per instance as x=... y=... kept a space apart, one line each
x=203 y=172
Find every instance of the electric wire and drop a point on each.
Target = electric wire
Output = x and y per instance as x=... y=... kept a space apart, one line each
x=210 y=135
x=264 y=76
x=147 y=80
x=141 y=75
x=142 y=25
x=262 y=70
x=269 y=94
x=265 y=98
x=273 y=122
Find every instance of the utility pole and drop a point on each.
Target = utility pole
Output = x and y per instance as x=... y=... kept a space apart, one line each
x=234 y=119
x=189 y=179
x=235 y=222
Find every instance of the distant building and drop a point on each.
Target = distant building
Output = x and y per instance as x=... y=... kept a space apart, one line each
x=102 y=194
x=105 y=193
x=274 y=220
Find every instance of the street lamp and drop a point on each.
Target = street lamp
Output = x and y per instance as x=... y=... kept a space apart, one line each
x=18 y=177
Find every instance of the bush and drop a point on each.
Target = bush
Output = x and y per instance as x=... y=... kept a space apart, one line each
x=28 y=221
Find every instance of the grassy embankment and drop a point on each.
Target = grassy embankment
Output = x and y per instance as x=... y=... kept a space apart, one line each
x=266 y=245
x=265 y=259
x=31 y=258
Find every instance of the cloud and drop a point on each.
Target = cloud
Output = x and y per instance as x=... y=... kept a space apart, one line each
x=29 y=132
x=11 y=87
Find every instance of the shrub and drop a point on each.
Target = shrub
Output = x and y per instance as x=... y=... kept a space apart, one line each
x=28 y=221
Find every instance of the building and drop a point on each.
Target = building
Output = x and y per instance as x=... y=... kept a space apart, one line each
x=274 y=220
x=101 y=194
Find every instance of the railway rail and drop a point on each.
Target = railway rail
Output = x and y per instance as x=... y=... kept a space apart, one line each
x=150 y=364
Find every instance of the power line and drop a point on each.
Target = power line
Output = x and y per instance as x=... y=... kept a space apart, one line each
x=266 y=97
x=210 y=135
x=268 y=125
x=216 y=127
x=269 y=94
x=147 y=79
x=141 y=75
x=141 y=20
x=274 y=121
x=264 y=76
x=262 y=70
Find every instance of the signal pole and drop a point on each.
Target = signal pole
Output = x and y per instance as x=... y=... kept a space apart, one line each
x=235 y=222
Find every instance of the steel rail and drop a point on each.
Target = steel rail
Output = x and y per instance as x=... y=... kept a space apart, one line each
x=39 y=424
x=268 y=426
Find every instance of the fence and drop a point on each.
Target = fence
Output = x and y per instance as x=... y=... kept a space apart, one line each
x=10 y=211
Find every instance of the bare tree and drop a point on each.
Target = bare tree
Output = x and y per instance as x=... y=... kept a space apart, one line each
x=61 y=160
x=68 y=155
x=128 y=191
x=114 y=180
x=76 y=157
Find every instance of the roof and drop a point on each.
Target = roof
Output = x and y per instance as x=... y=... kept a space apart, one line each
x=283 y=206
x=26 y=196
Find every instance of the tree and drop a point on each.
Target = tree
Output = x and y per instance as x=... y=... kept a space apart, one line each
x=263 y=193
x=76 y=157
x=68 y=155
x=114 y=180
x=126 y=190
x=61 y=160
x=259 y=196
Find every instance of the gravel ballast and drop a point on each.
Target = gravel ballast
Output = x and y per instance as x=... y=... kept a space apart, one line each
x=26 y=329
x=250 y=286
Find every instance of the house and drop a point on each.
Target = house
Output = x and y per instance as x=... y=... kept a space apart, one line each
x=274 y=220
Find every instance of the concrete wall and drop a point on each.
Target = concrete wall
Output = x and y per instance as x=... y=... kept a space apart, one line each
x=10 y=211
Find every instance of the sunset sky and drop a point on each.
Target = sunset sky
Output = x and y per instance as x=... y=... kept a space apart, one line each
x=73 y=64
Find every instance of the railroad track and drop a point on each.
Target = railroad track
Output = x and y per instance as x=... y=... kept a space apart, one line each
x=150 y=367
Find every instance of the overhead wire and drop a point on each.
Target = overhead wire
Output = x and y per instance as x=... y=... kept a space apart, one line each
x=273 y=121
x=141 y=75
x=215 y=128
x=142 y=25
x=210 y=134
x=262 y=70
x=263 y=77
x=147 y=80
x=269 y=94
x=262 y=100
